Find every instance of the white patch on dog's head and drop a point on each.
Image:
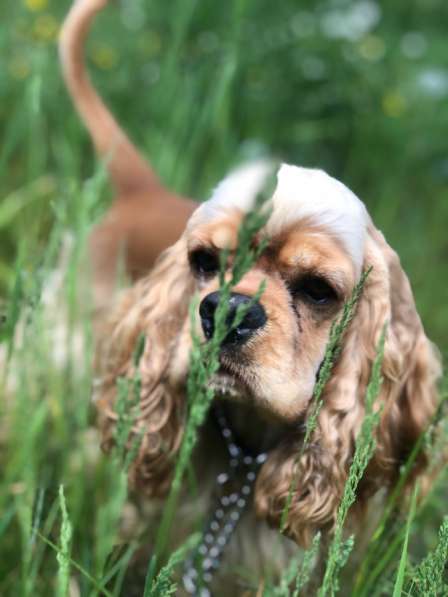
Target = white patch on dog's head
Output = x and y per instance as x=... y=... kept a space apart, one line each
x=237 y=191
x=301 y=193
x=307 y=193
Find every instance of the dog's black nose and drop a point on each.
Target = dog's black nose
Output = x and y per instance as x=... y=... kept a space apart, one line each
x=254 y=318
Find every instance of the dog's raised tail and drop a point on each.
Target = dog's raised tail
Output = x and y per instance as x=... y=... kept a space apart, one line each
x=128 y=170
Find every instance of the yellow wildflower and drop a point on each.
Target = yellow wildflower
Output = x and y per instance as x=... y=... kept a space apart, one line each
x=36 y=5
x=19 y=68
x=150 y=44
x=372 y=48
x=104 y=56
x=55 y=408
x=45 y=28
x=394 y=104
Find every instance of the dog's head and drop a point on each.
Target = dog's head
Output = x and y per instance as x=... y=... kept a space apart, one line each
x=320 y=239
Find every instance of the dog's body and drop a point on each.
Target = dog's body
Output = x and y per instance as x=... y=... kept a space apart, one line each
x=145 y=217
x=321 y=239
x=255 y=555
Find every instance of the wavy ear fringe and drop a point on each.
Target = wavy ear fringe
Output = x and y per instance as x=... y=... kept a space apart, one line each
x=158 y=304
x=412 y=368
x=408 y=397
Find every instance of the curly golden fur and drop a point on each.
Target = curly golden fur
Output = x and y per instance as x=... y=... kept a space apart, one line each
x=157 y=305
x=408 y=396
x=280 y=364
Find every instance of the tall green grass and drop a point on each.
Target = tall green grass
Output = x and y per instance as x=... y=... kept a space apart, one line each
x=340 y=548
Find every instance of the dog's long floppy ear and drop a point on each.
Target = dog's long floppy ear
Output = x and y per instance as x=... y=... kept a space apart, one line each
x=153 y=310
x=411 y=369
x=408 y=398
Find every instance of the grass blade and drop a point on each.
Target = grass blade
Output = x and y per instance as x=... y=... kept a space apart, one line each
x=399 y=582
x=428 y=576
x=163 y=585
x=63 y=554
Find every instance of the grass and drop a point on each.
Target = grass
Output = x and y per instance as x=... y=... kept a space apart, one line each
x=401 y=572
x=428 y=576
x=200 y=86
x=340 y=548
x=63 y=554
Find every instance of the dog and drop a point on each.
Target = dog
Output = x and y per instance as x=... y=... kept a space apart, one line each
x=321 y=240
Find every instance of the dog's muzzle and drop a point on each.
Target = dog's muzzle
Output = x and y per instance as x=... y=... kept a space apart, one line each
x=253 y=320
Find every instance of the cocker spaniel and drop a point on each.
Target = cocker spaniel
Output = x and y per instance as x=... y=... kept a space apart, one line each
x=321 y=239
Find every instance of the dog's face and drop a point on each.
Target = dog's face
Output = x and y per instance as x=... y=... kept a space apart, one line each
x=312 y=261
x=320 y=239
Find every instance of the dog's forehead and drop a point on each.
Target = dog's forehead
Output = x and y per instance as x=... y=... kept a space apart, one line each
x=300 y=194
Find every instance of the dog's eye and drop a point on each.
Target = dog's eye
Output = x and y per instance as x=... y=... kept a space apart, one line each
x=204 y=262
x=314 y=289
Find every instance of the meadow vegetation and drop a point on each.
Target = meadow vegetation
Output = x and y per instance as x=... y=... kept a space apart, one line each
x=354 y=87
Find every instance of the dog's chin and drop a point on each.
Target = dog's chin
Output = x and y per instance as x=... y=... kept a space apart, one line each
x=249 y=416
x=238 y=382
x=232 y=382
x=227 y=387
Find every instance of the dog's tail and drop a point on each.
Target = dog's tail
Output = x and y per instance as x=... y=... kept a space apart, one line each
x=128 y=170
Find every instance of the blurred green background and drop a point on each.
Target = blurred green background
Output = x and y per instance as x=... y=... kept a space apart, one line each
x=358 y=88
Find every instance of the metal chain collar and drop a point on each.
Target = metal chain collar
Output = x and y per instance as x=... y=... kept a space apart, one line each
x=234 y=488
